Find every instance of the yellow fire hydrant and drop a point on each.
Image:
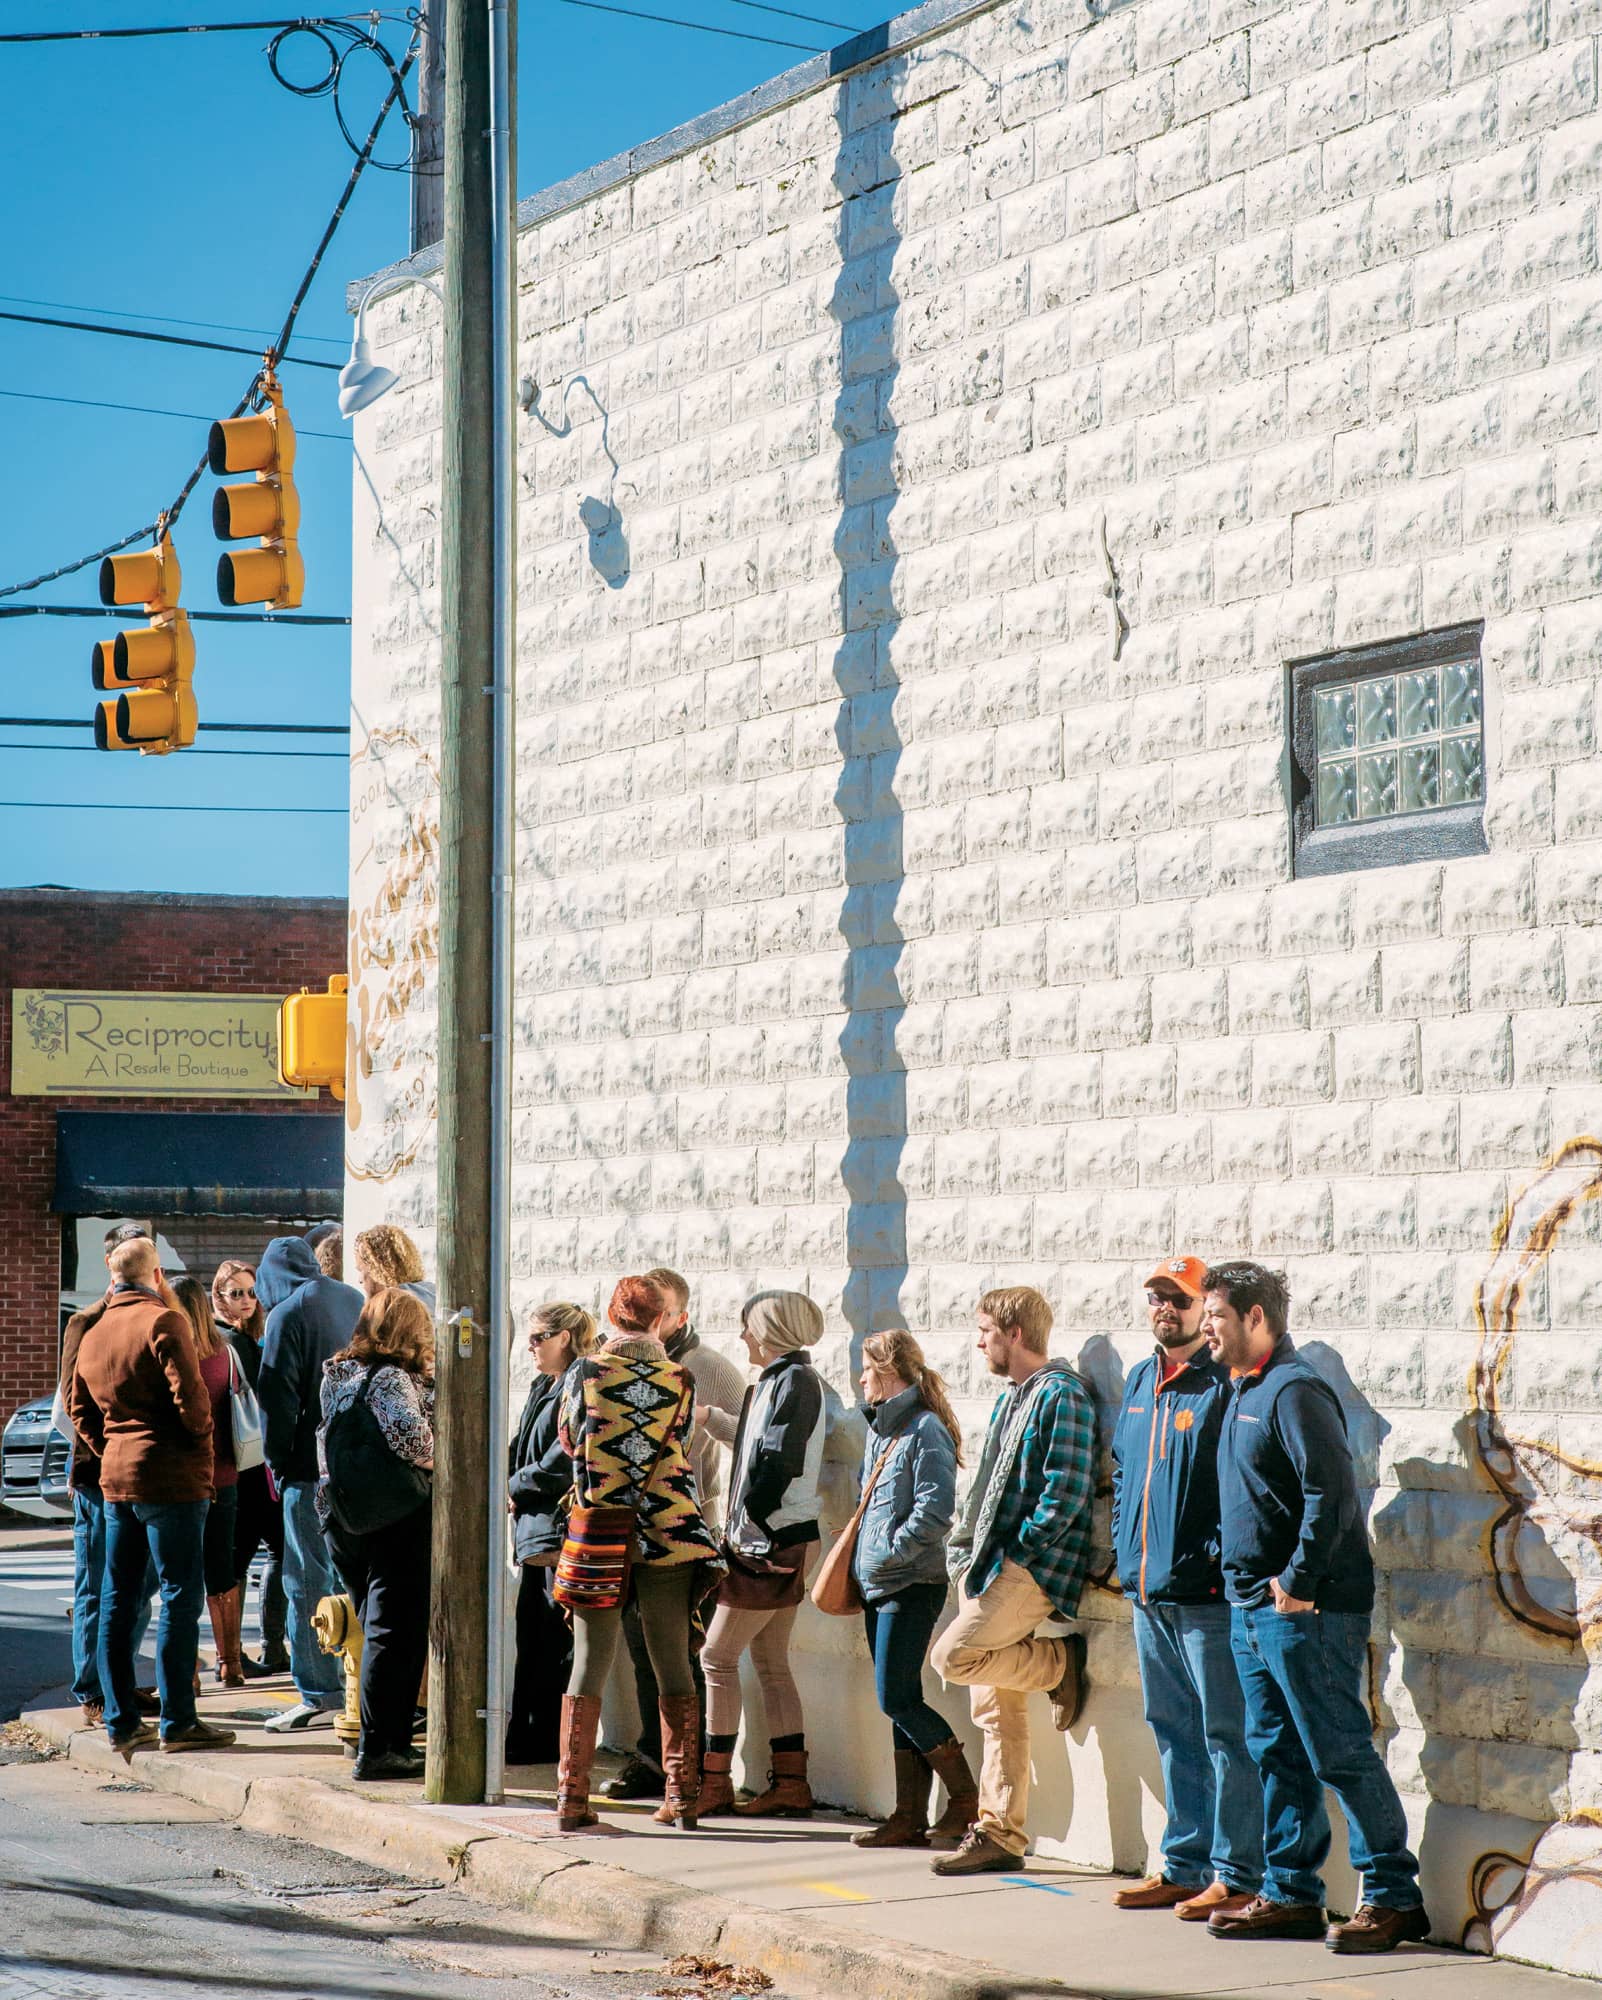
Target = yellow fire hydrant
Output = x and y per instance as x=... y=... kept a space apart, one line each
x=339 y=1631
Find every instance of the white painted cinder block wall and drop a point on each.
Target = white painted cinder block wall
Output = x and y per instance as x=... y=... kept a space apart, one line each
x=881 y=934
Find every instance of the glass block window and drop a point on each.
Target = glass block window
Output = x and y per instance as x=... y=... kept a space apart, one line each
x=1388 y=752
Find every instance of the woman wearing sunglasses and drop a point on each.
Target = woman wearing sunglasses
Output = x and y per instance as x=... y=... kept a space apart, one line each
x=260 y=1518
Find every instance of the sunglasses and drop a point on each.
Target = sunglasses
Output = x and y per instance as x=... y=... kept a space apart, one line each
x=248 y=1293
x=1168 y=1299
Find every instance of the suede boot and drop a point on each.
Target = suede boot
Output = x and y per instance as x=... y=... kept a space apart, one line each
x=581 y=1724
x=681 y=1760
x=788 y=1795
x=226 y=1617
x=908 y=1825
x=717 y=1784
x=950 y=1765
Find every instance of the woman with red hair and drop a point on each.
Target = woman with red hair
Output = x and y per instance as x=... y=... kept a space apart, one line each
x=626 y=1422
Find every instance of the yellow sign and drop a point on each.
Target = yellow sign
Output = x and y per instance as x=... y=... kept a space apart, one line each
x=144 y=1044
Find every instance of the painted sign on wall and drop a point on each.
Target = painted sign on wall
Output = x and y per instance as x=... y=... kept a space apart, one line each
x=144 y=1044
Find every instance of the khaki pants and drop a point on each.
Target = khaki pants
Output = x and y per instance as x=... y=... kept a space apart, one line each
x=990 y=1648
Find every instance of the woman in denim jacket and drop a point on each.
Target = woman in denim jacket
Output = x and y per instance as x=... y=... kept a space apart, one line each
x=900 y=1567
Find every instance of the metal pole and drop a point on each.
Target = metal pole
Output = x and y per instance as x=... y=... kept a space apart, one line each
x=503 y=225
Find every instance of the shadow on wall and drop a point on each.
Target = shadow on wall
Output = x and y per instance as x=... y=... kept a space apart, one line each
x=864 y=307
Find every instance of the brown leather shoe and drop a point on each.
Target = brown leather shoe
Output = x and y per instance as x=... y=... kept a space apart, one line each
x=1155 y=1893
x=1263 y=1919
x=1068 y=1696
x=978 y=1855
x=1217 y=1899
x=1375 y=1928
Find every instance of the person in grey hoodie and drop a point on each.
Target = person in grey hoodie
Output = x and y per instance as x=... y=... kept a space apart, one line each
x=309 y=1319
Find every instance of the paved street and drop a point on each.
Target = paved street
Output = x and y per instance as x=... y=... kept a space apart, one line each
x=35 y=1603
x=114 y=1892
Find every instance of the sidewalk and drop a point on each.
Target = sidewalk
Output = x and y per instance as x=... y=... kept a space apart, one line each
x=793 y=1897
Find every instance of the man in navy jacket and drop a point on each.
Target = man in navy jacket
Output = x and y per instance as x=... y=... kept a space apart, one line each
x=1300 y=1580
x=1165 y=1536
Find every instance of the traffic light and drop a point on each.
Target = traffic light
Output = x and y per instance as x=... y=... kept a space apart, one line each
x=311 y=1038
x=155 y=667
x=267 y=507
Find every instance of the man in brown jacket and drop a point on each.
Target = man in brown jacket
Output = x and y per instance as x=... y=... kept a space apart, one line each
x=138 y=1403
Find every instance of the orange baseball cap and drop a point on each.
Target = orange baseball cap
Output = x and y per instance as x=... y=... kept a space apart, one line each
x=1186 y=1273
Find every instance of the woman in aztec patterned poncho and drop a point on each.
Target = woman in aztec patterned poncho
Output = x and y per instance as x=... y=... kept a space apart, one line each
x=625 y=1410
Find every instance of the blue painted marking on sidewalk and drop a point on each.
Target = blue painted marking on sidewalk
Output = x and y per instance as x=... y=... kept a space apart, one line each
x=1029 y=1882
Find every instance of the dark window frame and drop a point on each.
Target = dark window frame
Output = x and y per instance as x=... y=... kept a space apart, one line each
x=1439 y=834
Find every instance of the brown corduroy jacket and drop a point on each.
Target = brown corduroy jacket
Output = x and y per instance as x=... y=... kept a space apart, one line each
x=139 y=1405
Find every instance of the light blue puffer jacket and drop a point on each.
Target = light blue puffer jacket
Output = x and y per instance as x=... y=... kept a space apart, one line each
x=902 y=1540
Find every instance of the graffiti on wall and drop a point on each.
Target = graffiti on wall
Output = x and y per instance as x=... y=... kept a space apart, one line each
x=394 y=948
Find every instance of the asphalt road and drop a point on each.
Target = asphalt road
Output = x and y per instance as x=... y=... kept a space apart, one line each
x=114 y=1892
x=35 y=1597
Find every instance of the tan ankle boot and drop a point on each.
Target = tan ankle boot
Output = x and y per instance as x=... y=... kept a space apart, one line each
x=681 y=1760
x=717 y=1784
x=950 y=1765
x=788 y=1795
x=908 y=1824
x=581 y=1724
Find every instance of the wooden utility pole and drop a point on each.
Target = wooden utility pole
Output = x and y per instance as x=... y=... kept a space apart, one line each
x=457 y=1626
x=428 y=165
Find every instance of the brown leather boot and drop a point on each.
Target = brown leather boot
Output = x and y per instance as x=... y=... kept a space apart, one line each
x=581 y=1724
x=950 y=1765
x=788 y=1795
x=216 y=1609
x=908 y=1824
x=681 y=1760
x=230 y=1669
x=717 y=1784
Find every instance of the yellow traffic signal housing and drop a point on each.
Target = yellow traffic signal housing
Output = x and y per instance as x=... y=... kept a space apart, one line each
x=156 y=666
x=311 y=1038
x=267 y=506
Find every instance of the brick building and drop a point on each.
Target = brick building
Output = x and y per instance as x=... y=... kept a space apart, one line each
x=74 y=942
x=1059 y=654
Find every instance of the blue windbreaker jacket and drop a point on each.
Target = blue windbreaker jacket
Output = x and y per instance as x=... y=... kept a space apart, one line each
x=1165 y=1483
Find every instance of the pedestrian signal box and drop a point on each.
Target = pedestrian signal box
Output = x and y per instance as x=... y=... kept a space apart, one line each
x=312 y=1038
x=267 y=506
x=151 y=672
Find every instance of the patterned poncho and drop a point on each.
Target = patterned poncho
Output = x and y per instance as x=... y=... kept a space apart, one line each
x=617 y=1405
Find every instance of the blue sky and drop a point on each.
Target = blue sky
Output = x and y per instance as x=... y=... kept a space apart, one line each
x=175 y=179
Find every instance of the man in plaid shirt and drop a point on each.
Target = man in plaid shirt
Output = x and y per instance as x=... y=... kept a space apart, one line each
x=1018 y=1556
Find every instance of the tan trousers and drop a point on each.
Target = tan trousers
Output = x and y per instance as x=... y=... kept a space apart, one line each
x=990 y=1648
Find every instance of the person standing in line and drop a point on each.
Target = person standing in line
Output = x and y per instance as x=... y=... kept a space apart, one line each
x=540 y=1478
x=89 y=1518
x=328 y=1247
x=719 y=1393
x=1165 y=1539
x=310 y=1318
x=386 y=1255
x=217 y=1365
x=1018 y=1556
x=909 y=1475
x=1300 y=1581
x=770 y=1536
x=259 y=1522
x=380 y=1524
x=626 y=1423
x=138 y=1403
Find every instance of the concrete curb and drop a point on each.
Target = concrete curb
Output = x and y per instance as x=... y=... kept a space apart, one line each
x=546 y=1879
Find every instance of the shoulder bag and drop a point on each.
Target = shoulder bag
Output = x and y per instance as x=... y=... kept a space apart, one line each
x=834 y=1588
x=250 y=1432
x=369 y=1486
x=596 y=1566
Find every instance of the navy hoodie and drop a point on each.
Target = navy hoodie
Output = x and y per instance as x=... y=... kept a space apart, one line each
x=1165 y=1482
x=309 y=1318
x=1287 y=1490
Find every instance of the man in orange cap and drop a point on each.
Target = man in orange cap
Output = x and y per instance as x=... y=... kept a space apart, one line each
x=1166 y=1537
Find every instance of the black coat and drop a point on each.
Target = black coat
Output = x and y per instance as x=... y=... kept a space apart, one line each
x=541 y=1472
x=309 y=1319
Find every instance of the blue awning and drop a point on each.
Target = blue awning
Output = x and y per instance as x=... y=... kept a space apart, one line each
x=200 y=1163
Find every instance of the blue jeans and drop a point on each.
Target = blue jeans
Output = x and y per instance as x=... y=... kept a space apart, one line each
x=1305 y=1678
x=88 y=1586
x=308 y=1578
x=139 y=1533
x=899 y=1631
x=1195 y=1710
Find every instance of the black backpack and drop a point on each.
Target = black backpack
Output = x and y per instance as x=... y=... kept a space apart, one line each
x=368 y=1486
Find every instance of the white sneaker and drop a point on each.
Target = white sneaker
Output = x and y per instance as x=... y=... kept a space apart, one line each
x=303 y=1716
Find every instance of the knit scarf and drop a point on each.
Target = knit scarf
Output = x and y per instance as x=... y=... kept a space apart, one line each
x=997 y=1463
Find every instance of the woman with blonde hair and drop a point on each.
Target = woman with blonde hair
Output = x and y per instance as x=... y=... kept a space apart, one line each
x=259 y=1516
x=909 y=1477
x=541 y=1476
x=626 y=1421
x=375 y=1457
x=386 y=1255
x=217 y=1366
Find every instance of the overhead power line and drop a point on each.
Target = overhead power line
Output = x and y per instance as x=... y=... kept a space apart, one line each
x=146 y=410
x=162 y=319
x=79 y=805
x=164 y=339
x=699 y=27
x=224 y=728
x=818 y=20
x=199 y=28
x=209 y=617
x=89 y=750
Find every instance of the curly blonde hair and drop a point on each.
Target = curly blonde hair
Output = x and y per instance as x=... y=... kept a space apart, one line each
x=396 y=1327
x=387 y=1255
x=901 y=1354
